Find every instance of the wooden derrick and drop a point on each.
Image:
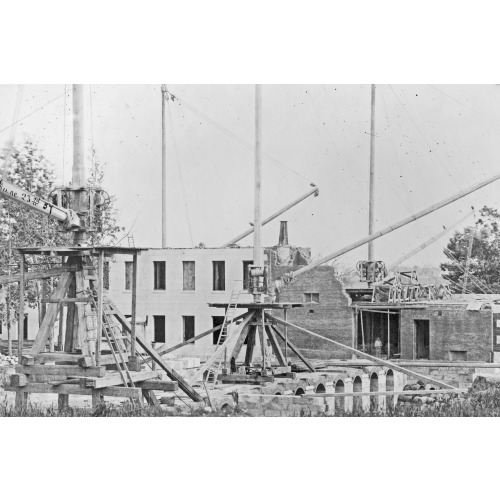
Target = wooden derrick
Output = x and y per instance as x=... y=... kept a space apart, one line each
x=93 y=362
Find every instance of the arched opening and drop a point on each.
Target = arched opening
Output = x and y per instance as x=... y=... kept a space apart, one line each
x=357 y=387
x=374 y=388
x=320 y=389
x=278 y=393
x=339 y=402
x=389 y=384
x=299 y=392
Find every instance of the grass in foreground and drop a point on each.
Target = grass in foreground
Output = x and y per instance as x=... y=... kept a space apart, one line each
x=482 y=400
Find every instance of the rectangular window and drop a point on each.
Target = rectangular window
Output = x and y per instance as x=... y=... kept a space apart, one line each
x=246 y=266
x=311 y=297
x=216 y=321
x=159 y=275
x=188 y=275
x=219 y=275
x=128 y=275
x=159 y=329
x=25 y=332
x=188 y=324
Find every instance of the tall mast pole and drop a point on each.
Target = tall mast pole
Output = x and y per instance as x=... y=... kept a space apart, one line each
x=257 y=221
x=78 y=172
x=372 y=174
x=164 y=98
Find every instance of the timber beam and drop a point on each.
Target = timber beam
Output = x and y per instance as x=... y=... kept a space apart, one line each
x=36 y=275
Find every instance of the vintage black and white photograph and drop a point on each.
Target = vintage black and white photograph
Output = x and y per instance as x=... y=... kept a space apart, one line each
x=250 y=250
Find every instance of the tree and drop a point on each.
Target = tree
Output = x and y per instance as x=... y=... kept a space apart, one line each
x=26 y=166
x=484 y=263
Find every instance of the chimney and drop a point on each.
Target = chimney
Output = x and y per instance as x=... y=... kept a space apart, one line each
x=283 y=234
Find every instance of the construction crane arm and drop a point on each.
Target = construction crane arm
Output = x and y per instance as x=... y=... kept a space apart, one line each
x=289 y=277
x=67 y=217
x=314 y=191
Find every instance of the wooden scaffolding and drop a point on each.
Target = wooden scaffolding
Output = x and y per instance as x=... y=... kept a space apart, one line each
x=98 y=351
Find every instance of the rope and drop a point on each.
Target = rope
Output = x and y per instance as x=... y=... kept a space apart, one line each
x=183 y=191
x=235 y=137
x=29 y=114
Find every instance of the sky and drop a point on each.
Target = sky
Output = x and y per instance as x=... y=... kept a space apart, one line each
x=430 y=142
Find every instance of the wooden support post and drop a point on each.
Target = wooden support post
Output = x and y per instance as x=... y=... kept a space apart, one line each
x=262 y=337
x=21 y=400
x=60 y=337
x=294 y=349
x=275 y=346
x=388 y=335
x=250 y=345
x=99 y=312
x=51 y=315
x=133 y=319
x=96 y=398
x=62 y=401
x=70 y=317
x=286 y=336
x=240 y=342
x=20 y=321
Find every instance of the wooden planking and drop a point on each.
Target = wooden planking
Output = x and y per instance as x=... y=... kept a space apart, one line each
x=115 y=379
x=159 y=385
x=183 y=384
x=294 y=349
x=236 y=378
x=361 y=354
x=106 y=360
x=117 y=392
x=62 y=370
x=51 y=314
x=53 y=357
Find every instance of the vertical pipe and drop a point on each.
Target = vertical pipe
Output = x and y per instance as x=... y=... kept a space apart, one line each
x=78 y=172
x=164 y=97
x=286 y=337
x=134 y=305
x=388 y=335
x=258 y=175
x=257 y=220
x=100 y=291
x=372 y=174
x=20 y=321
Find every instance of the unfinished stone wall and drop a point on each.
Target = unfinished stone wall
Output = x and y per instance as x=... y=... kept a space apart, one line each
x=452 y=329
x=331 y=318
x=289 y=398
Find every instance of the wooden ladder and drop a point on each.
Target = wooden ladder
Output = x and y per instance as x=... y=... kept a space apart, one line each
x=214 y=369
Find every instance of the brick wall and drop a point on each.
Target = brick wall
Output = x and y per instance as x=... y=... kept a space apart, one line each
x=452 y=328
x=331 y=318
